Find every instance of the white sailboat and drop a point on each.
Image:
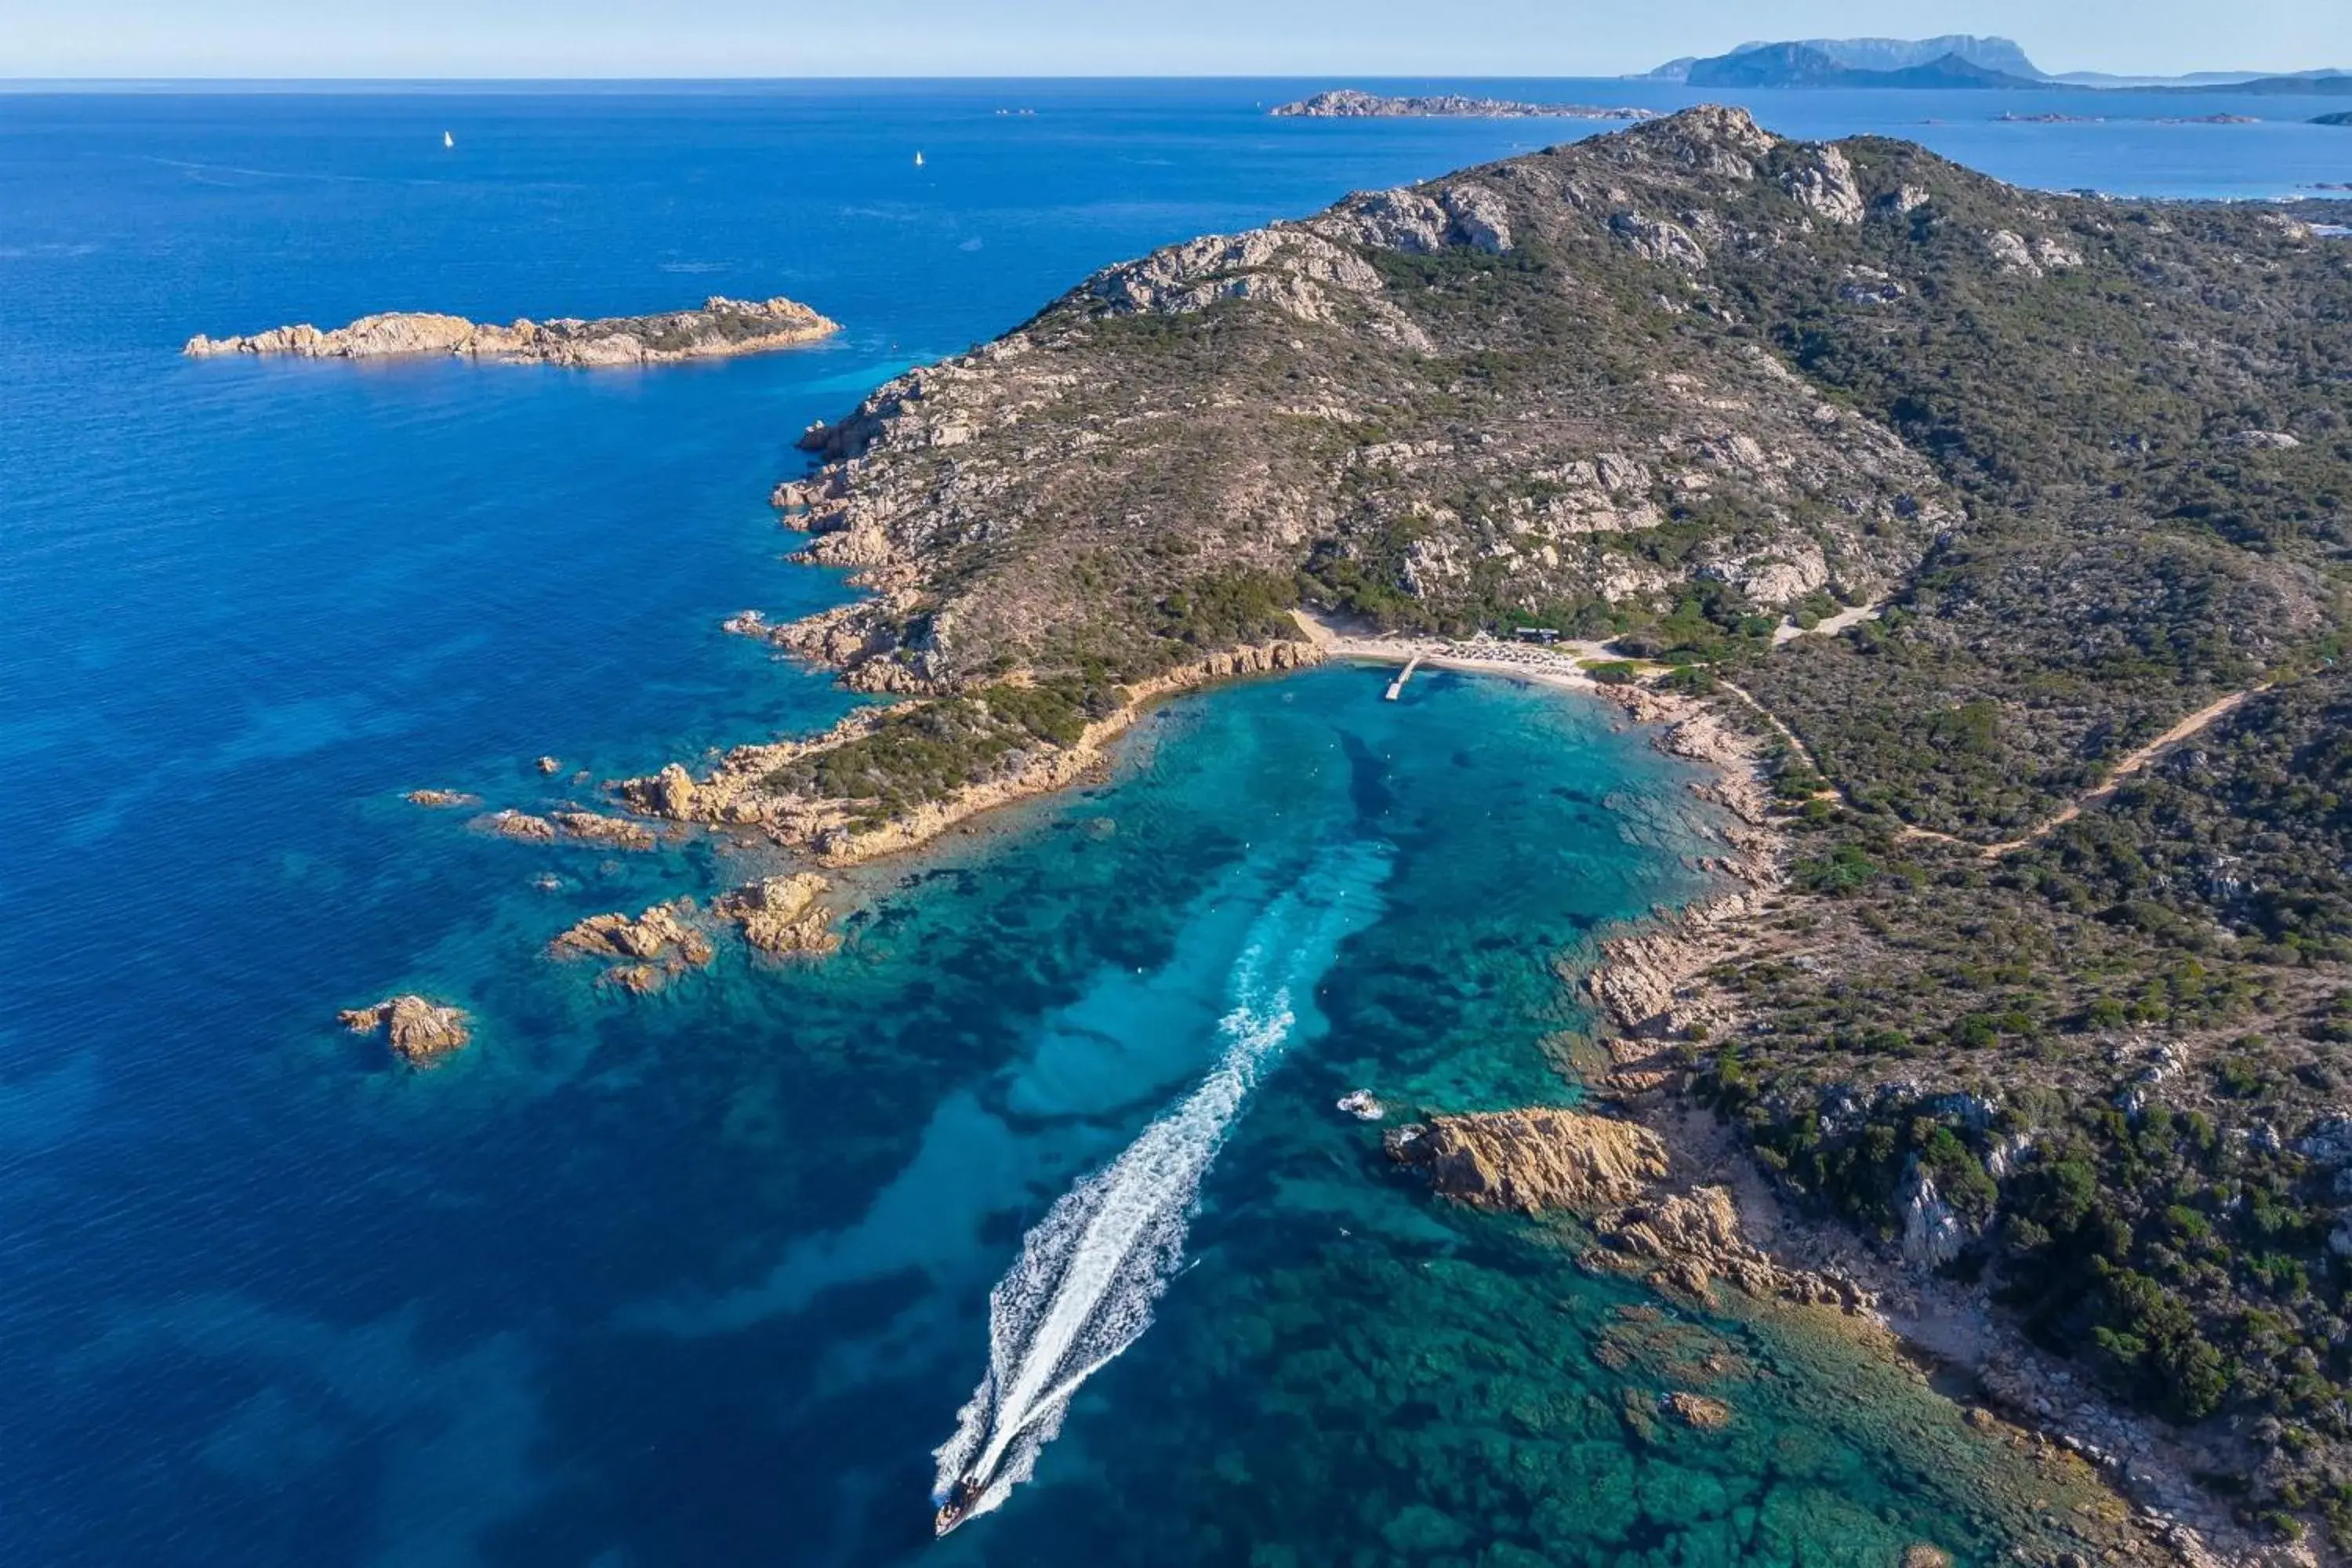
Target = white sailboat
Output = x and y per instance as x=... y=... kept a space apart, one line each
x=918 y=159
x=447 y=140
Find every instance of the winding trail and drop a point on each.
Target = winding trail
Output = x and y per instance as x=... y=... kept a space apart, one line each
x=2133 y=761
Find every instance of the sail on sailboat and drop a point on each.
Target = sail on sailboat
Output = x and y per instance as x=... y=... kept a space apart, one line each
x=918 y=158
x=447 y=140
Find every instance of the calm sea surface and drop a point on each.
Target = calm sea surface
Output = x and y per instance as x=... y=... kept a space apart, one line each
x=705 y=1279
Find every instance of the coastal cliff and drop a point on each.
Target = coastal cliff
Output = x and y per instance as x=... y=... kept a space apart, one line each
x=721 y=327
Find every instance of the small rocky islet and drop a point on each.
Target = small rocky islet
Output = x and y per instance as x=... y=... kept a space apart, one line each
x=721 y=327
x=419 y=1031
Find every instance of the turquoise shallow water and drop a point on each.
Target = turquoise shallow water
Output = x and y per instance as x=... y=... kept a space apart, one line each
x=704 y=1278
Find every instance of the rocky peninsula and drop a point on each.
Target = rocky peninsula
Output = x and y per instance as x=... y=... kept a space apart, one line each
x=1850 y=469
x=1352 y=103
x=721 y=327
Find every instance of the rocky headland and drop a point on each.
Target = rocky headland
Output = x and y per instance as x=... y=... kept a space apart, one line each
x=1352 y=103
x=721 y=327
x=809 y=795
x=420 y=1032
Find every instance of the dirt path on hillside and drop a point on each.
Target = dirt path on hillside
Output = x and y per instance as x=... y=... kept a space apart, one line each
x=2133 y=761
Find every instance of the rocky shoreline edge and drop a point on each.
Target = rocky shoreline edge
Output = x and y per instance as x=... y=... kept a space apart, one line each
x=1645 y=985
x=1699 y=1209
x=831 y=831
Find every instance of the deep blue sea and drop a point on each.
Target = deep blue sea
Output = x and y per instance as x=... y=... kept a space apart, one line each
x=704 y=1278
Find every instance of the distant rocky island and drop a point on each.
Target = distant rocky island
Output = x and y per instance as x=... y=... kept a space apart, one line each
x=721 y=327
x=1953 y=60
x=1352 y=103
x=2343 y=119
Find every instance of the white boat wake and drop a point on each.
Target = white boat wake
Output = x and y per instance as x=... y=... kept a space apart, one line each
x=1089 y=1271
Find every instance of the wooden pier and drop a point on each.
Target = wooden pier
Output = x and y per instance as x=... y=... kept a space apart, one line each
x=1396 y=687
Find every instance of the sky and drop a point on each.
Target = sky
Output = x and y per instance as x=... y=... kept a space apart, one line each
x=638 y=39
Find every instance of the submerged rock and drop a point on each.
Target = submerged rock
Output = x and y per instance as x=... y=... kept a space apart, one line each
x=551 y=765
x=420 y=1032
x=441 y=798
x=1360 y=1104
x=1696 y=1410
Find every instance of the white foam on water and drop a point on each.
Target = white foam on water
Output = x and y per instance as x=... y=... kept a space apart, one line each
x=1083 y=1289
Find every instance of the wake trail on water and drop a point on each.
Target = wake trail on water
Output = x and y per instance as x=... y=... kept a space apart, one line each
x=1083 y=1288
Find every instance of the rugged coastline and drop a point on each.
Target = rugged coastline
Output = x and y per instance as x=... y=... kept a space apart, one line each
x=720 y=327
x=1676 y=1198
x=1668 y=401
x=743 y=790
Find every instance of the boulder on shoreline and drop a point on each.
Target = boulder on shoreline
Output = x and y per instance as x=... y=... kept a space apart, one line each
x=1533 y=1160
x=420 y=1032
x=721 y=327
x=616 y=831
x=1608 y=1171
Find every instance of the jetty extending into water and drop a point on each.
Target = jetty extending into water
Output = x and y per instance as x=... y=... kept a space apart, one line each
x=1396 y=687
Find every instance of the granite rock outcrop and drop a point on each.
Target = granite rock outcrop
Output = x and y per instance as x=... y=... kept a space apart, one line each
x=1611 y=1173
x=781 y=916
x=420 y=1032
x=653 y=949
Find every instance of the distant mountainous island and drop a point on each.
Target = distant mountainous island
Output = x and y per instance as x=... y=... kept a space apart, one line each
x=2002 y=56
x=1352 y=103
x=2343 y=119
x=1952 y=61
